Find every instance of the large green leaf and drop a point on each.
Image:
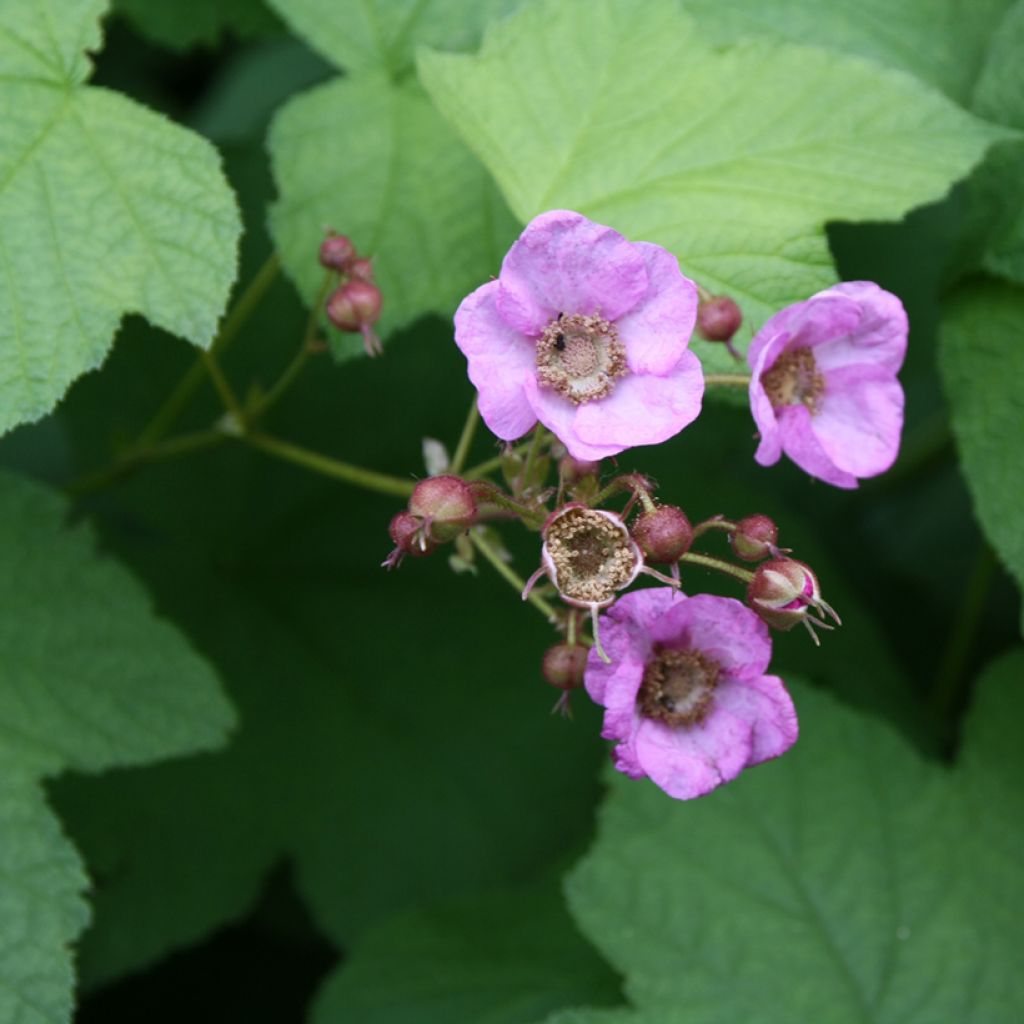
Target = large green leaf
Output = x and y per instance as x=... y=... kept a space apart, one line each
x=107 y=209
x=982 y=363
x=503 y=958
x=732 y=158
x=89 y=679
x=376 y=161
x=369 y=35
x=838 y=884
x=939 y=41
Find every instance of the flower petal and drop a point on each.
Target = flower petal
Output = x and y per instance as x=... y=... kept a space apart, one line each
x=822 y=317
x=770 y=448
x=500 y=361
x=766 y=706
x=801 y=444
x=657 y=330
x=721 y=628
x=643 y=408
x=860 y=420
x=564 y=263
x=880 y=336
x=558 y=414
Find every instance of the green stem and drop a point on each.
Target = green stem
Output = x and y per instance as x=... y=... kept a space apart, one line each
x=227 y=396
x=715 y=523
x=729 y=380
x=717 y=564
x=539 y=433
x=295 y=367
x=511 y=576
x=134 y=459
x=367 y=479
x=176 y=401
x=951 y=675
x=465 y=438
x=483 y=468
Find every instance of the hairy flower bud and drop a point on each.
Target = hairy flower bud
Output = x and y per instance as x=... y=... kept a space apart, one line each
x=664 y=534
x=444 y=505
x=563 y=666
x=754 y=538
x=337 y=252
x=785 y=592
x=409 y=537
x=718 y=319
x=361 y=269
x=355 y=307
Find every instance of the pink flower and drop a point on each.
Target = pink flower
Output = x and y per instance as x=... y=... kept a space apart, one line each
x=823 y=387
x=586 y=332
x=685 y=694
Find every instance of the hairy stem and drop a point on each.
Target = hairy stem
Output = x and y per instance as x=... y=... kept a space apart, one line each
x=718 y=565
x=465 y=438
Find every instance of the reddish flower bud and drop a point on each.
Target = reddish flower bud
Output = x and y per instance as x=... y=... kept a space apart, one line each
x=754 y=538
x=664 y=534
x=361 y=269
x=355 y=307
x=337 y=252
x=718 y=319
x=444 y=505
x=563 y=666
x=409 y=538
x=785 y=592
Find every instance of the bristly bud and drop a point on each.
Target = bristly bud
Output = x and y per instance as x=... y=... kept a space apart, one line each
x=563 y=667
x=718 y=318
x=355 y=307
x=664 y=534
x=754 y=538
x=785 y=592
x=409 y=537
x=361 y=269
x=444 y=505
x=337 y=252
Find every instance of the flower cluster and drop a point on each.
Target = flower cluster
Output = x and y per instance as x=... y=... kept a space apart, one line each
x=583 y=339
x=354 y=306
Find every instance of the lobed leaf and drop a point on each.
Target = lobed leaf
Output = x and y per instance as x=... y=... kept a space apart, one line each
x=107 y=209
x=733 y=159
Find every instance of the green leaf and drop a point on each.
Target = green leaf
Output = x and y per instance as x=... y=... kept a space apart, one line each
x=180 y=26
x=377 y=162
x=89 y=679
x=107 y=208
x=368 y=35
x=999 y=89
x=503 y=958
x=837 y=884
x=939 y=41
x=734 y=159
x=982 y=363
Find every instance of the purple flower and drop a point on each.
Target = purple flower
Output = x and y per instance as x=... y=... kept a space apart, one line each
x=823 y=387
x=586 y=332
x=685 y=694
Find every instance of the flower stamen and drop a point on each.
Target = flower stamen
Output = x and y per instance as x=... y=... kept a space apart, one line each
x=794 y=380
x=678 y=687
x=580 y=357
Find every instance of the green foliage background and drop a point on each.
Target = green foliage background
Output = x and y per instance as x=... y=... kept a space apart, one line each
x=219 y=718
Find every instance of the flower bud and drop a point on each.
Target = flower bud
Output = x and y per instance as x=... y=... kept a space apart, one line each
x=354 y=307
x=361 y=269
x=785 y=592
x=718 y=318
x=664 y=534
x=563 y=666
x=337 y=252
x=754 y=538
x=444 y=505
x=573 y=470
x=409 y=538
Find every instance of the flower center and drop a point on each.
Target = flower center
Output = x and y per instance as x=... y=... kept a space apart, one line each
x=592 y=556
x=677 y=687
x=580 y=357
x=794 y=380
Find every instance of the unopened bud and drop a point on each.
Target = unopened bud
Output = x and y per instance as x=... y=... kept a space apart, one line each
x=754 y=538
x=573 y=470
x=785 y=592
x=563 y=666
x=445 y=505
x=718 y=318
x=409 y=538
x=361 y=269
x=355 y=307
x=337 y=252
x=664 y=534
